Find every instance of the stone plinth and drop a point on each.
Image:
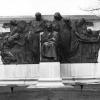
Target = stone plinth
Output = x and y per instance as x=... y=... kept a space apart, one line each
x=86 y=73
x=18 y=74
x=49 y=75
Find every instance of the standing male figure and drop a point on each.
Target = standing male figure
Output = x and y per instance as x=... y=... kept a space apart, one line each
x=37 y=26
x=64 y=37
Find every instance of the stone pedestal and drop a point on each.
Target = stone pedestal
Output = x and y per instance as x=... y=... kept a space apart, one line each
x=49 y=75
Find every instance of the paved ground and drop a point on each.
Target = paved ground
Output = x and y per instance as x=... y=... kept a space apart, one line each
x=87 y=92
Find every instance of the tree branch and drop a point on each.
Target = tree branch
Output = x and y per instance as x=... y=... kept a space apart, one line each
x=93 y=9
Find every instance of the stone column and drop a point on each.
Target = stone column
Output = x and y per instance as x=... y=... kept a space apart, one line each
x=49 y=75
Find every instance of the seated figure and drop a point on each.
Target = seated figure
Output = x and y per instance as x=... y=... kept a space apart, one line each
x=48 y=44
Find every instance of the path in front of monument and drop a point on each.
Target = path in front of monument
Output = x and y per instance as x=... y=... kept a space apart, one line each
x=22 y=93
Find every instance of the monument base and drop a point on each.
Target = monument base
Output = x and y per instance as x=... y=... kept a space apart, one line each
x=50 y=83
x=49 y=75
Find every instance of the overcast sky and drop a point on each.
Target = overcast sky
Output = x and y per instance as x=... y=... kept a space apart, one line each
x=29 y=7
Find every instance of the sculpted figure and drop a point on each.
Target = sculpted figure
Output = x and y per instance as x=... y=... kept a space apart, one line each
x=64 y=37
x=37 y=26
x=14 y=45
x=48 y=44
x=87 y=44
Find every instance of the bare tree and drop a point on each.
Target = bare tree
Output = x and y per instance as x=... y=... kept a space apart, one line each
x=92 y=9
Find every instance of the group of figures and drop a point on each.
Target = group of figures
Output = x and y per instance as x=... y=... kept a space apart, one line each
x=49 y=41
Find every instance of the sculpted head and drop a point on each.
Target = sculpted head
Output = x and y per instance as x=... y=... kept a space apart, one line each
x=57 y=16
x=49 y=26
x=38 y=16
